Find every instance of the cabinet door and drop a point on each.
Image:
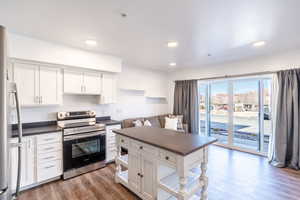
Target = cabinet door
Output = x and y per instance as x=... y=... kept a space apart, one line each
x=133 y=170
x=148 y=180
x=109 y=88
x=27 y=163
x=14 y=165
x=26 y=78
x=73 y=82
x=92 y=83
x=49 y=85
x=30 y=160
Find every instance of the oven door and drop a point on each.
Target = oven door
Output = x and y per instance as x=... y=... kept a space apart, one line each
x=83 y=149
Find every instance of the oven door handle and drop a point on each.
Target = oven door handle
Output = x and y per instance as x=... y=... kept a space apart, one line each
x=79 y=136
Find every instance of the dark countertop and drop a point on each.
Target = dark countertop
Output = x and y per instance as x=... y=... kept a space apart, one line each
x=170 y=140
x=109 y=122
x=36 y=128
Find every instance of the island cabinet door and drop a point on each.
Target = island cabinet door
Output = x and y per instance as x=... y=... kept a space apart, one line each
x=148 y=177
x=134 y=163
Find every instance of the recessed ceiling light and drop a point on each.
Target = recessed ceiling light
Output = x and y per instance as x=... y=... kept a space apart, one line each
x=259 y=43
x=172 y=44
x=172 y=64
x=91 y=42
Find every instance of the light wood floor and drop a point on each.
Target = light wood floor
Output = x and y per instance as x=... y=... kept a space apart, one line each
x=232 y=175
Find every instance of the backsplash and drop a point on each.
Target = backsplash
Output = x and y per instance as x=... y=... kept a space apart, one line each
x=132 y=104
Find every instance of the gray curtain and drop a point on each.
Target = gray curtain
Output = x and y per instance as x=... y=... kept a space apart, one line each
x=286 y=128
x=186 y=103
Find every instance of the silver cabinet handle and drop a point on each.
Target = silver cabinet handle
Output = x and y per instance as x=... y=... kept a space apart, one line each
x=49 y=148
x=50 y=166
x=50 y=157
x=49 y=139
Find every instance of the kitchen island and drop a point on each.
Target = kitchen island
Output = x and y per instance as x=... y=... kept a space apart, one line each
x=162 y=164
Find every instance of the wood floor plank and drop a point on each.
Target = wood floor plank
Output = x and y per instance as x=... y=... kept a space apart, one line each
x=232 y=175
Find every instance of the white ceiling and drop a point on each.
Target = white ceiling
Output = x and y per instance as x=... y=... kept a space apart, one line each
x=223 y=28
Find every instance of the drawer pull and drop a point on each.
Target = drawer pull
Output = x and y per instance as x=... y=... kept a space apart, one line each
x=49 y=139
x=141 y=175
x=50 y=157
x=167 y=157
x=141 y=147
x=49 y=148
x=122 y=140
x=50 y=166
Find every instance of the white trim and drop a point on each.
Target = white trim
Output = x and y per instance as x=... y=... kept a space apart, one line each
x=240 y=149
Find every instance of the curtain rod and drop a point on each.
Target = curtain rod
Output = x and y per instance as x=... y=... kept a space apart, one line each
x=236 y=76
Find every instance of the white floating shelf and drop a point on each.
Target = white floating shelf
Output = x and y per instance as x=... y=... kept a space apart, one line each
x=123 y=160
x=123 y=177
x=166 y=196
x=171 y=184
x=156 y=97
x=133 y=89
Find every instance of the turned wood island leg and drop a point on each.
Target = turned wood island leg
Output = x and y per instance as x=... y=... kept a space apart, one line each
x=203 y=177
x=182 y=185
x=118 y=165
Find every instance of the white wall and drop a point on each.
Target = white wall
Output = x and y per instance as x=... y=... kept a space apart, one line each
x=27 y=48
x=279 y=61
x=130 y=103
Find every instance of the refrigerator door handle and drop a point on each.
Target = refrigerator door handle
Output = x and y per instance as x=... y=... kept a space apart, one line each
x=20 y=134
x=3 y=191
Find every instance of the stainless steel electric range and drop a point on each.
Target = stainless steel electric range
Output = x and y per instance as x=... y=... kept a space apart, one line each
x=83 y=142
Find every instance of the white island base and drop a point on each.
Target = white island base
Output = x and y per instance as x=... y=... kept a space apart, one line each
x=154 y=173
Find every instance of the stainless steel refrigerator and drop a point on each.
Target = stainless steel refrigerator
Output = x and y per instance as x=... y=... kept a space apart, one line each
x=8 y=90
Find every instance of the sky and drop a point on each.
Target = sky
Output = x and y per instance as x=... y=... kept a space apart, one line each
x=239 y=86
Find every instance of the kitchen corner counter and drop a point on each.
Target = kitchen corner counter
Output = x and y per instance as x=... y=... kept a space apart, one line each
x=170 y=140
x=37 y=128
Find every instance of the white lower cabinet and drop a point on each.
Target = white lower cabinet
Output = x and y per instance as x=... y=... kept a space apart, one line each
x=134 y=164
x=148 y=179
x=27 y=162
x=111 y=149
x=141 y=168
x=41 y=159
x=49 y=156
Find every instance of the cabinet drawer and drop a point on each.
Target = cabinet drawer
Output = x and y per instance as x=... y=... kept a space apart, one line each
x=110 y=134
x=144 y=148
x=49 y=138
x=49 y=170
x=46 y=148
x=50 y=156
x=124 y=141
x=112 y=127
x=167 y=156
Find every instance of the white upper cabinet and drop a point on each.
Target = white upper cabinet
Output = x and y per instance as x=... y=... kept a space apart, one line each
x=78 y=82
x=26 y=77
x=109 y=87
x=50 y=85
x=92 y=83
x=37 y=84
x=73 y=81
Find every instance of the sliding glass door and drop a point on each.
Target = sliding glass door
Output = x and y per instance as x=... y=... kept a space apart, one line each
x=218 y=113
x=246 y=114
x=237 y=112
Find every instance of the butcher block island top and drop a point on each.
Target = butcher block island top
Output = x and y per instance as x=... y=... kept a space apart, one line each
x=162 y=164
x=174 y=141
